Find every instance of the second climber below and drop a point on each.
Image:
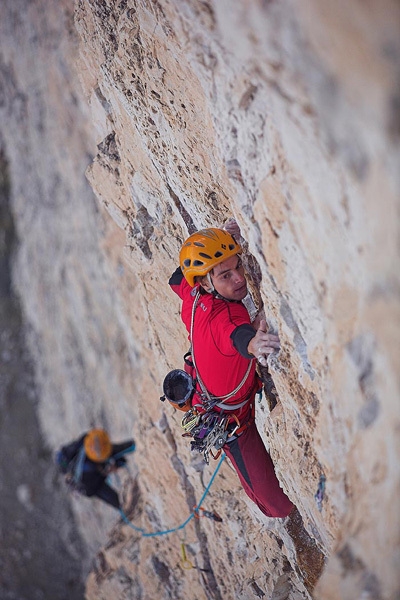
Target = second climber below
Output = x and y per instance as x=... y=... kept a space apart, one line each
x=88 y=461
x=211 y=285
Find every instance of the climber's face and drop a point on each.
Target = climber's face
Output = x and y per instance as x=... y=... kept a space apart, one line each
x=228 y=279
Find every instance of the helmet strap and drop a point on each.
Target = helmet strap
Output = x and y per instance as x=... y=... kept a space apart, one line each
x=212 y=288
x=213 y=291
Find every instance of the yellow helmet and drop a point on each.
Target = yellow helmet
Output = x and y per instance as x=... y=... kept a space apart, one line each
x=205 y=249
x=97 y=445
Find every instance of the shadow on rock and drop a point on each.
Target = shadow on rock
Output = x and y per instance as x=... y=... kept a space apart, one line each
x=310 y=559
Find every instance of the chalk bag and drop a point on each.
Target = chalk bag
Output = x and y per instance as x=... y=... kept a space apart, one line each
x=178 y=388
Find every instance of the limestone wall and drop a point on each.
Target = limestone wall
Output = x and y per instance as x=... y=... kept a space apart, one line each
x=285 y=115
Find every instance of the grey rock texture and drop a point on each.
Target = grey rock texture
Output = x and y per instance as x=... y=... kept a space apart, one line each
x=41 y=552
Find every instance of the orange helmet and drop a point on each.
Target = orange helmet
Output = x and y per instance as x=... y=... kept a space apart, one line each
x=97 y=445
x=205 y=249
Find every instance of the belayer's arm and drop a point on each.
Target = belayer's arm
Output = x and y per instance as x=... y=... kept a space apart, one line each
x=70 y=450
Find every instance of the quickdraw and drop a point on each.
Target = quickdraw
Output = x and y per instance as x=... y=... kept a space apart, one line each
x=209 y=514
x=206 y=513
x=209 y=431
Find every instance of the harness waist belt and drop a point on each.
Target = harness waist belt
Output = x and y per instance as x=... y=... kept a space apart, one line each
x=245 y=425
x=231 y=406
x=249 y=396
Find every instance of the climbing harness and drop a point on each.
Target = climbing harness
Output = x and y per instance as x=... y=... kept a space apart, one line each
x=210 y=429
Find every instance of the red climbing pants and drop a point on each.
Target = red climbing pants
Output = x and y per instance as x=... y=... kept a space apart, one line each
x=256 y=472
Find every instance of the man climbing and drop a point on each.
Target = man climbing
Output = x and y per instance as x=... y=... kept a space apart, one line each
x=87 y=462
x=211 y=284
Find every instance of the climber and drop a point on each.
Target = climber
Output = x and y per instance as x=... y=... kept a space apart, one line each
x=211 y=284
x=87 y=462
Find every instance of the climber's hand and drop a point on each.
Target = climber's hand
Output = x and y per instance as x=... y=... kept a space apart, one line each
x=232 y=227
x=257 y=319
x=263 y=343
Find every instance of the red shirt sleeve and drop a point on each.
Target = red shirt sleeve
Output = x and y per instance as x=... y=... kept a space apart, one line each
x=227 y=316
x=180 y=286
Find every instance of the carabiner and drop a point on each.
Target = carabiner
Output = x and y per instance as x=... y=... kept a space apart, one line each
x=236 y=428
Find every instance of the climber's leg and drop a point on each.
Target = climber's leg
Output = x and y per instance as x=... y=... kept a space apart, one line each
x=256 y=472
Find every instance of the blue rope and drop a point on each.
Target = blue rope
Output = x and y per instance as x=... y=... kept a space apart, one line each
x=78 y=470
x=190 y=517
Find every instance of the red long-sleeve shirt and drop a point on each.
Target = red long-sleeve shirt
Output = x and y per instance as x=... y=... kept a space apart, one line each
x=221 y=333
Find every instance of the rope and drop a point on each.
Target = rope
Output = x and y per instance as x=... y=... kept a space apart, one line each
x=78 y=468
x=182 y=525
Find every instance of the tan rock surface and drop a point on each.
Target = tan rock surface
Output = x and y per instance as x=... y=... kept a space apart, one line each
x=286 y=116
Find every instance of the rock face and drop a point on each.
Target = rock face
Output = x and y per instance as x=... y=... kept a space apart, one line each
x=287 y=117
x=66 y=267
x=36 y=522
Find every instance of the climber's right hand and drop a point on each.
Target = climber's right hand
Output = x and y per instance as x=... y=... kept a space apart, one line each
x=232 y=227
x=263 y=343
